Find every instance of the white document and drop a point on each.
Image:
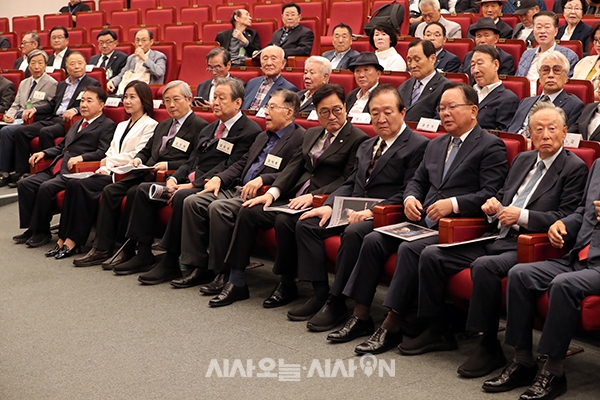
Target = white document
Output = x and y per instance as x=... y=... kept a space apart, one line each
x=344 y=206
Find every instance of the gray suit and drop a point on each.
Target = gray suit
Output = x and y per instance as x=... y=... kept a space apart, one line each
x=46 y=85
x=346 y=60
x=156 y=64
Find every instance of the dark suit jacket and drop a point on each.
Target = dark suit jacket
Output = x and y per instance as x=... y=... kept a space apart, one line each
x=507 y=64
x=462 y=6
x=4 y=42
x=7 y=94
x=285 y=148
x=254 y=84
x=17 y=65
x=346 y=60
x=568 y=102
x=115 y=63
x=224 y=39
x=332 y=168
x=391 y=173
x=207 y=161
x=203 y=89
x=91 y=143
x=506 y=31
x=477 y=173
x=79 y=7
x=447 y=62
x=581 y=33
x=52 y=107
x=64 y=60
x=517 y=29
x=426 y=104
x=582 y=123
x=351 y=99
x=189 y=131
x=497 y=109
x=308 y=106
x=298 y=43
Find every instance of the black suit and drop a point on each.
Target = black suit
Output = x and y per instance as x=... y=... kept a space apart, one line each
x=64 y=60
x=476 y=174
x=517 y=30
x=79 y=7
x=583 y=122
x=581 y=33
x=351 y=99
x=567 y=280
x=298 y=43
x=426 y=104
x=462 y=6
x=36 y=192
x=348 y=58
x=447 y=62
x=7 y=94
x=17 y=65
x=111 y=228
x=204 y=87
x=115 y=63
x=506 y=31
x=387 y=181
x=497 y=109
x=556 y=196
x=224 y=39
x=308 y=106
x=507 y=64
x=208 y=221
x=331 y=169
x=49 y=128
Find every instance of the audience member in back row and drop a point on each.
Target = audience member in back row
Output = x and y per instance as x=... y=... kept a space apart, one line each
x=7 y=94
x=272 y=61
x=30 y=42
x=444 y=60
x=430 y=12
x=4 y=42
x=81 y=197
x=459 y=6
x=87 y=140
x=588 y=123
x=218 y=64
x=173 y=142
x=59 y=40
x=241 y=41
x=575 y=29
x=144 y=64
x=383 y=39
x=73 y=7
x=367 y=70
x=588 y=68
x=317 y=70
x=110 y=59
x=342 y=54
x=493 y=9
x=294 y=38
x=524 y=29
x=511 y=5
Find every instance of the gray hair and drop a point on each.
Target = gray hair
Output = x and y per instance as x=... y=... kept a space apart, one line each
x=290 y=99
x=272 y=46
x=237 y=87
x=546 y=105
x=185 y=88
x=554 y=55
x=434 y=3
x=324 y=64
x=37 y=52
x=34 y=37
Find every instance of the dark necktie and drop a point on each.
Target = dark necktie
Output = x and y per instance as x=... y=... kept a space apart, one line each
x=31 y=89
x=84 y=125
x=104 y=59
x=452 y=155
x=376 y=158
x=315 y=156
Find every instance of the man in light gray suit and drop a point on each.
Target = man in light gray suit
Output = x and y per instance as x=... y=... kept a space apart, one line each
x=144 y=64
x=342 y=54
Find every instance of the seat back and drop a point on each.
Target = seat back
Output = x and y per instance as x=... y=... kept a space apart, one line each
x=574 y=45
x=295 y=76
x=91 y=4
x=586 y=154
x=394 y=78
x=193 y=55
x=62 y=19
x=195 y=13
x=511 y=19
x=514 y=47
x=26 y=23
x=143 y=6
x=314 y=25
x=109 y=6
x=8 y=58
x=401 y=46
x=12 y=38
x=519 y=85
x=456 y=77
x=117 y=114
x=126 y=17
x=223 y=11
x=583 y=89
x=13 y=75
x=4 y=24
x=77 y=36
x=264 y=28
x=268 y=10
x=170 y=51
x=245 y=73
x=178 y=5
x=350 y=12
x=315 y=8
x=160 y=16
x=58 y=74
x=92 y=19
x=99 y=74
x=464 y=20
x=180 y=33
x=88 y=50
x=459 y=47
x=210 y=29
x=127 y=48
x=344 y=78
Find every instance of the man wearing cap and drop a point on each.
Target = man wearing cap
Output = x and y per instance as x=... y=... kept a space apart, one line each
x=421 y=93
x=526 y=9
x=367 y=70
x=512 y=5
x=493 y=10
x=486 y=32
x=431 y=12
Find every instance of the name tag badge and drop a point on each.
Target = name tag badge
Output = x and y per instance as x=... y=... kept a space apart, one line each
x=156 y=104
x=261 y=112
x=37 y=95
x=49 y=70
x=273 y=161
x=89 y=68
x=224 y=146
x=361 y=118
x=181 y=144
x=112 y=102
x=428 y=124
x=313 y=116
x=80 y=95
x=572 y=140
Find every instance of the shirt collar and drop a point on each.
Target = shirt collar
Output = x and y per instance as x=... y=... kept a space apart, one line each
x=548 y=161
x=283 y=130
x=182 y=119
x=426 y=80
x=553 y=96
x=231 y=121
x=76 y=80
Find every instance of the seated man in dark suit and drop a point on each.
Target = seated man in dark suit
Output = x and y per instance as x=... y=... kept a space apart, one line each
x=7 y=94
x=294 y=38
x=473 y=170
x=384 y=165
x=497 y=105
x=588 y=123
x=4 y=42
x=421 y=93
x=272 y=62
x=87 y=140
x=317 y=70
x=209 y=218
x=342 y=54
x=111 y=223
x=485 y=32
x=444 y=60
x=73 y=7
x=553 y=68
x=460 y=6
x=241 y=41
x=367 y=70
x=493 y=9
x=511 y=6
x=324 y=161
x=110 y=59
x=31 y=41
x=59 y=40
x=218 y=63
x=524 y=29
x=543 y=185
x=221 y=144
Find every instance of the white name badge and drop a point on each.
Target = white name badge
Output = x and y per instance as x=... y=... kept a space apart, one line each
x=37 y=95
x=428 y=124
x=112 y=102
x=89 y=68
x=181 y=144
x=224 y=146
x=156 y=104
x=572 y=140
x=361 y=118
x=273 y=161
x=313 y=116
x=80 y=95
x=49 y=70
x=261 y=112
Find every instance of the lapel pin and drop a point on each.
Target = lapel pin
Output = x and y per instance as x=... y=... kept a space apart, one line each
x=341 y=140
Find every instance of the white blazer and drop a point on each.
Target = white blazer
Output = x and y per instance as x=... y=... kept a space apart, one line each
x=584 y=66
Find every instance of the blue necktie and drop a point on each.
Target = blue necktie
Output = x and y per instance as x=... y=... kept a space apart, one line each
x=452 y=155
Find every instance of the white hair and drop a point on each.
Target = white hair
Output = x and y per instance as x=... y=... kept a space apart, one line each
x=324 y=64
x=434 y=3
x=554 y=55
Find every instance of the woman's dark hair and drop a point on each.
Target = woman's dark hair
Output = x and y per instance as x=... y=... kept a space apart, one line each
x=388 y=29
x=594 y=30
x=144 y=93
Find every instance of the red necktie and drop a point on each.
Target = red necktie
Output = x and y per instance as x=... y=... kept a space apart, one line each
x=84 y=125
x=219 y=132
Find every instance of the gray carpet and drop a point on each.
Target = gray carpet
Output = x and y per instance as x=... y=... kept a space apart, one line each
x=83 y=333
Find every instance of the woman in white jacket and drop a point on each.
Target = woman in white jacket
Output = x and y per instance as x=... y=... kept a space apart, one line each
x=383 y=39
x=82 y=195
x=588 y=68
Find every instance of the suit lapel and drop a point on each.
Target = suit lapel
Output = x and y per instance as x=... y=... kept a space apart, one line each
x=309 y=144
x=464 y=150
x=550 y=178
x=400 y=143
x=523 y=171
x=561 y=99
x=493 y=95
x=337 y=143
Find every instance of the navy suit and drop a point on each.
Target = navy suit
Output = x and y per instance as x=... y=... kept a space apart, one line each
x=583 y=122
x=346 y=60
x=447 y=62
x=497 y=109
x=115 y=63
x=254 y=84
x=426 y=104
x=299 y=42
x=507 y=64
x=581 y=33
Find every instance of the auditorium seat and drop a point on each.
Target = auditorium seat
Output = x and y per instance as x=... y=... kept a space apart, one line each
x=99 y=74
x=25 y=23
x=464 y=20
x=8 y=58
x=268 y=11
x=514 y=47
x=195 y=13
x=350 y=12
x=295 y=76
x=314 y=25
x=194 y=53
x=245 y=73
x=223 y=12
x=459 y=47
x=88 y=50
x=78 y=36
x=160 y=16
x=178 y=5
x=574 y=45
x=394 y=78
x=170 y=51
x=210 y=29
x=57 y=19
x=13 y=75
x=143 y=6
x=4 y=24
x=519 y=85
x=126 y=17
x=180 y=33
x=343 y=77
x=264 y=27
x=456 y=77
x=127 y=48
x=91 y=19
x=12 y=39
x=109 y=6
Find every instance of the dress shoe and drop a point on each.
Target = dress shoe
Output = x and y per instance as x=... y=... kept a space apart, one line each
x=93 y=257
x=280 y=296
x=66 y=252
x=53 y=252
x=334 y=312
x=513 y=376
x=15 y=178
x=38 y=239
x=215 y=286
x=196 y=277
x=427 y=342
x=546 y=386
x=23 y=237
x=119 y=258
x=352 y=329
x=161 y=272
x=229 y=295
x=306 y=310
x=133 y=266
x=4 y=180
x=483 y=361
x=379 y=342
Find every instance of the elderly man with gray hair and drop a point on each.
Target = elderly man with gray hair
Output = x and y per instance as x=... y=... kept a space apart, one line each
x=431 y=12
x=553 y=68
x=317 y=71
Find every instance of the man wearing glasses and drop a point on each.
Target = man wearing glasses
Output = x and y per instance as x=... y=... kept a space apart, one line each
x=59 y=40
x=553 y=68
x=218 y=63
x=30 y=42
x=110 y=59
x=144 y=64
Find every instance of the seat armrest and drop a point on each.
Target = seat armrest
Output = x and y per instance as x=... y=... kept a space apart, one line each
x=319 y=199
x=161 y=176
x=387 y=214
x=534 y=247
x=453 y=230
x=87 y=166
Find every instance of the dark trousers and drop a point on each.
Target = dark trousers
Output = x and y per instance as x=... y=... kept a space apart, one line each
x=81 y=207
x=36 y=199
x=46 y=130
x=7 y=147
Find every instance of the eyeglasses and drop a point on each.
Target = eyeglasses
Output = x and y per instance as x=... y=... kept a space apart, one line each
x=576 y=9
x=24 y=42
x=450 y=108
x=596 y=40
x=56 y=37
x=173 y=100
x=556 y=69
x=272 y=107
x=325 y=113
x=107 y=43
x=215 y=68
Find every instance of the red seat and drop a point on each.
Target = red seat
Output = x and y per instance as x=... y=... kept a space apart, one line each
x=350 y=12
x=344 y=78
x=401 y=46
x=160 y=16
x=143 y=6
x=314 y=8
x=295 y=76
x=314 y=25
x=91 y=4
x=511 y=19
x=117 y=114
x=77 y=36
x=180 y=33
x=126 y=48
x=99 y=74
x=581 y=88
x=574 y=45
x=12 y=38
x=270 y=10
x=4 y=24
x=126 y=17
x=223 y=11
x=195 y=14
x=88 y=50
x=265 y=29
x=464 y=20
x=57 y=19
x=89 y=20
x=459 y=47
x=519 y=85
x=178 y=5
x=109 y=6
x=514 y=47
x=58 y=74
x=210 y=29
x=26 y=23
x=394 y=78
x=8 y=58
x=211 y=3
x=170 y=51
x=194 y=53
x=13 y=75
x=456 y=77
x=245 y=73
x=132 y=30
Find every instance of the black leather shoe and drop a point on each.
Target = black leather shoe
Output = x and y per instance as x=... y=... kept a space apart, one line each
x=14 y=178
x=306 y=310
x=352 y=329
x=120 y=258
x=280 y=296
x=4 y=180
x=229 y=295
x=161 y=272
x=53 y=252
x=546 y=386
x=66 y=252
x=93 y=257
x=196 y=277
x=513 y=376
x=428 y=342
x=134 y=266
x=483 y=361
x=215 y=286
x=23 y=237
x=333 y=313
x=379 y=342
x=38 y=239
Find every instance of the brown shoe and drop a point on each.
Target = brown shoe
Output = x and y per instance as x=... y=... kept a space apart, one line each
x=93 y=257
